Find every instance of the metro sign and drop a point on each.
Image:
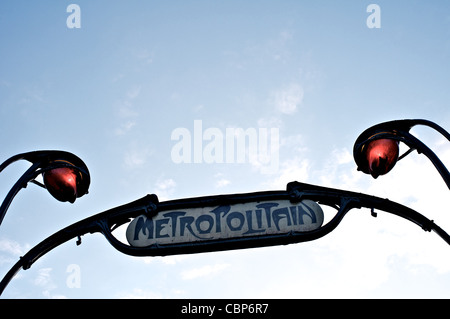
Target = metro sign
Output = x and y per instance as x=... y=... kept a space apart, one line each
x=221 y=223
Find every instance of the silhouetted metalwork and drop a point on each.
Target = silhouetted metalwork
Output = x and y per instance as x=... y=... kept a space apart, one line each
x=106 y=222
x=65 y=176
x=375 y=151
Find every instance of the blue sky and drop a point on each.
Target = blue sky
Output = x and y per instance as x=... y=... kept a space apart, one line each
x=113 y=91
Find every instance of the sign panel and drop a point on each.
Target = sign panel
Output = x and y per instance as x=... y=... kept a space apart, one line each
x=223 y=222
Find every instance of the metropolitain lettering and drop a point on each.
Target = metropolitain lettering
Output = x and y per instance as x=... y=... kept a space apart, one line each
x=225 y=221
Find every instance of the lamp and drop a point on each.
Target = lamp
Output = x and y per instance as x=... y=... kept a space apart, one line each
x=376 y=150
x=65 y=175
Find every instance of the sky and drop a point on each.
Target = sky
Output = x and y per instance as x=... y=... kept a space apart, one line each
x=114 y=82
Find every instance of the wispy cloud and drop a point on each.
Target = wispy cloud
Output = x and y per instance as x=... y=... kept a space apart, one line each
x=133 y=92
x=139 y=293
x=126 y=112
x=136 y=155
x=144 y=56
x=45 y=282
x=135 y=158
x=205 y=271
x=43 y=277
x=10 y=250
x=288 y=99
x=11 y=247
x=165 y=188
x=297 y=168
x=156 y=293
x=125 y=127
x=31 y=96
x=221 y=181
x=279 y=46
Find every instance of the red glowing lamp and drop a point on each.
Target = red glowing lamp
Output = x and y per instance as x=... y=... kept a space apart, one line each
x=66 y=177
x=381 y=156
x=62 y=183
x=376 y=150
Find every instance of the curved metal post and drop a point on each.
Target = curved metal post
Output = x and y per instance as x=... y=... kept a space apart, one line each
x=29 y=175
